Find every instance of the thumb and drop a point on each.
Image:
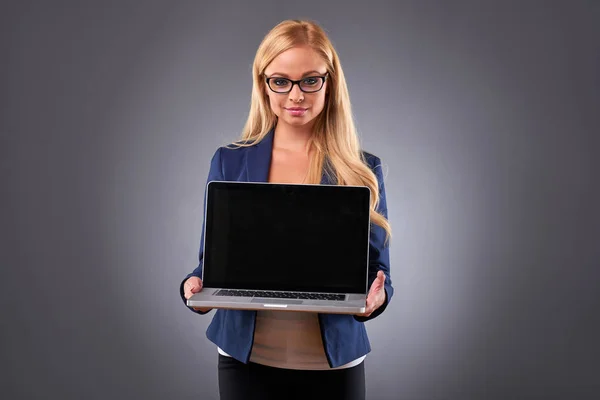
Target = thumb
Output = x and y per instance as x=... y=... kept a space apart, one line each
x=195 y=288
x=195 y=285
x=377 y=284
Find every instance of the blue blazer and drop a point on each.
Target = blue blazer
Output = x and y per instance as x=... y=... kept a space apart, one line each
x=344 y=336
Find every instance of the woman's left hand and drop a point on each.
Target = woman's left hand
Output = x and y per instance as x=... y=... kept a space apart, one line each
x=376 y=296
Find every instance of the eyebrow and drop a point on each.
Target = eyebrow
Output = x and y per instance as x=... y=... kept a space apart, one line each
x=305 y=74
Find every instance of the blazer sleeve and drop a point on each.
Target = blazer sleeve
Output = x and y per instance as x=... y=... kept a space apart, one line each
x=215 y=174
x=379 y=251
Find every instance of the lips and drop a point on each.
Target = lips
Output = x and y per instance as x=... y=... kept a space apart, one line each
x=296 y=111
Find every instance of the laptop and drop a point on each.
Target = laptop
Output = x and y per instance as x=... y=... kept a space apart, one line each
x=290 y=247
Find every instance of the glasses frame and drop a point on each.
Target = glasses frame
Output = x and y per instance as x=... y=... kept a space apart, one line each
x=323 y=78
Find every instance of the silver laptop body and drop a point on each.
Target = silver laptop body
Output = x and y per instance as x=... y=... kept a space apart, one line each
x=285 y=247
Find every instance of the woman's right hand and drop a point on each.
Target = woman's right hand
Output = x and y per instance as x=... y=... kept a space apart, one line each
x=192 y=286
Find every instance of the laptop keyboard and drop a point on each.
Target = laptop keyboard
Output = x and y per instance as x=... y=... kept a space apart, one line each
x=280 y=295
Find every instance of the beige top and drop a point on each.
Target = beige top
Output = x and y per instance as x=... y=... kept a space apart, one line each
x=290 y=339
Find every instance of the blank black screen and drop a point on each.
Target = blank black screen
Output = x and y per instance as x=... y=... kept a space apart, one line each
x=286 y=237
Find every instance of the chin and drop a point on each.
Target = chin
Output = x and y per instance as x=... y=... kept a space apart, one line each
x=297 y=121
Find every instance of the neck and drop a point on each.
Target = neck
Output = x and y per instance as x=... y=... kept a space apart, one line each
x=291 y=138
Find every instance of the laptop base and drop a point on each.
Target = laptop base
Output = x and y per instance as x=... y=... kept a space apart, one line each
x=354 y=303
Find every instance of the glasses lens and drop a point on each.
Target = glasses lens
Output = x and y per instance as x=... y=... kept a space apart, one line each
x=311 y=84
x=280 y=84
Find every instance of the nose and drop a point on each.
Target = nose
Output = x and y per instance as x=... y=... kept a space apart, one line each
x=296 y=94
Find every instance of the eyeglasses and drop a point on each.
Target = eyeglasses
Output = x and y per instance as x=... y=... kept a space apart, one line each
x=309 y=84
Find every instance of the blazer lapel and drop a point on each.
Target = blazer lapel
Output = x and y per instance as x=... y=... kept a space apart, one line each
x=325 y=179
x=258 y=162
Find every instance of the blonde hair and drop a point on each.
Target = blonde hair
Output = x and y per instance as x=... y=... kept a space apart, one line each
x=335 y=140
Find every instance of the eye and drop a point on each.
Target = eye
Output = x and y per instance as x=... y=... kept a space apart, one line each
x=310 y=81
x=280 y=82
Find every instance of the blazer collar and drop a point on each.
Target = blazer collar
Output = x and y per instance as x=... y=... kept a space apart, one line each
x=258 y=163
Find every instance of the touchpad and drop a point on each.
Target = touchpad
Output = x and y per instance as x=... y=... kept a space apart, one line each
x=276 y=301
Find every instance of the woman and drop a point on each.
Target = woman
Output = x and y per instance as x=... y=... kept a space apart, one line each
x=299 y=130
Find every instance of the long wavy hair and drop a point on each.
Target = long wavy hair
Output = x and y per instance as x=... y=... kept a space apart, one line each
x=335 y=141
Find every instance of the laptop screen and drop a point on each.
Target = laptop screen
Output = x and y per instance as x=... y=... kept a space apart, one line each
x=264 y=236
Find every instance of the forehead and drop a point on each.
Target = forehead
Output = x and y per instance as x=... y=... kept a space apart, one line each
x=296 y=62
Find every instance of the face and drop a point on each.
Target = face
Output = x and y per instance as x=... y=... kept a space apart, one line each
x=297 y=108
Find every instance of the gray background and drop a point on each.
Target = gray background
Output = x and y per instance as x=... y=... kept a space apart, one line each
x=484 y=113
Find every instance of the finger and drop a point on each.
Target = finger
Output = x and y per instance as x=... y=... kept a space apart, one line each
x=374 y=301
x=367 y=312
x=190 y=288
x=192 y=282
x=379 y=282
x=375 y=287
x=369 y=306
